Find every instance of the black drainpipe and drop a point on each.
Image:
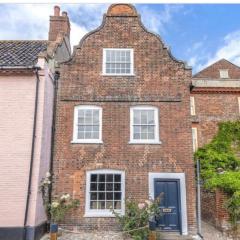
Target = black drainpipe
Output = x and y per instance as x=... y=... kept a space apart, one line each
x=56 y=77
x=32 y=152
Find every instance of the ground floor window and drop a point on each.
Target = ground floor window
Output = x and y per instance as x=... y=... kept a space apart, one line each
x=105 y=192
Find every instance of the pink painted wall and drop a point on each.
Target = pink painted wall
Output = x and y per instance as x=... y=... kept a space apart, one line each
x=16 y=121
x=17 y=96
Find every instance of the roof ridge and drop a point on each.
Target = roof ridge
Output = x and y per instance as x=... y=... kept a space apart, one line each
x=5 y=41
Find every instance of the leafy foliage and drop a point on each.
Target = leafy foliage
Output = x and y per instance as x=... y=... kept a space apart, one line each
x=136 y=218
x=220 y=165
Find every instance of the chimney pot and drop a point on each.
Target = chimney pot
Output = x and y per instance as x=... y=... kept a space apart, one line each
x=64 y=14
x=56 y=11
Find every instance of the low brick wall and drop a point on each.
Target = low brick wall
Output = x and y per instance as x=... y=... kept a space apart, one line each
x=213 y=209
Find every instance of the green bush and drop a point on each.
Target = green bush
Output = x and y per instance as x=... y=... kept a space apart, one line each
x=220 y=165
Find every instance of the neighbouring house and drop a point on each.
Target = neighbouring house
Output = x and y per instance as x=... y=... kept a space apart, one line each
x=27 y=83
x=123 y=126
x=215 y=97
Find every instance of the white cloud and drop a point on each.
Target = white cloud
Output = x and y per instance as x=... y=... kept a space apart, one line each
x=157 y=20
x=31 y=21
x=229 y=50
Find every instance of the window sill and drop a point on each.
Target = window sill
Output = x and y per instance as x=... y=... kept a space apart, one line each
x=86 y=142
x=99 y=214
x=145 y=143
x=117 y=75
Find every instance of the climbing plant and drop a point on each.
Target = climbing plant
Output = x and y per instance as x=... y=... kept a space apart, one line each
x=220 y=165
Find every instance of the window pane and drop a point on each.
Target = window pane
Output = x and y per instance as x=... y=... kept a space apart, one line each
x=80 y=135
x=101 y=205
x=151 y=136
x=136 y=116
x=80 y=116
x=93 y=205
x=117 y=196
x=93 y=187
x=88 y=135
x=93 y=177
x=151 y=117
x=144 y=129
x=143 y=135
x=95 y=135
x=136 y=136
x=88 y=116
x=109 y=178
x=101 y=196
x=101 y=187
x=109 y=186
x=93 y=196
x=117 y=178
x=109 y=196
x=96 y=117
x=102 y=178
x=117 y=204
x=144 y=115
x=117 y=187
x=109 y=205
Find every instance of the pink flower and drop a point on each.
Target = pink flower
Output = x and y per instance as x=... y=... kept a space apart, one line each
x=141 y=205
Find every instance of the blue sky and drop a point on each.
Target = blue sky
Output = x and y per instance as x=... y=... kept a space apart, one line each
x=199 y=34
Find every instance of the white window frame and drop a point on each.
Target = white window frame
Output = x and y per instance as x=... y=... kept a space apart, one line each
x=103 y=212
x=156 y=119
x=194 y=139
x=192 y=106
x=222 y=73
x=118 y=74
x=75 y=125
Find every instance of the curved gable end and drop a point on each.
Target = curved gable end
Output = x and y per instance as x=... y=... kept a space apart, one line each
x=127 y=11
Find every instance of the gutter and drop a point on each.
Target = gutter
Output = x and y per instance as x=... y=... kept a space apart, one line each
x=199 y=217
x=32 y=150
x=56 y=77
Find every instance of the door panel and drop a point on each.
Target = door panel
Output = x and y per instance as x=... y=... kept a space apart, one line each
x=169 y=205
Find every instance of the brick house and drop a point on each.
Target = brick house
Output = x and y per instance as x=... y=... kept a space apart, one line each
x=27 y=82
x=215 y=97
x=123 y=126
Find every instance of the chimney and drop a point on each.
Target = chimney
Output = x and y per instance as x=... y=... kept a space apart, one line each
x=59 y=24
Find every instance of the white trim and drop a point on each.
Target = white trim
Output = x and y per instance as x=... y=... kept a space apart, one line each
x=118 y=74
x=192 y=106
x=239 y=105
x=75 y=125
x=103 y=213
x=181 y=177
x=156 y=119
x=194 y=139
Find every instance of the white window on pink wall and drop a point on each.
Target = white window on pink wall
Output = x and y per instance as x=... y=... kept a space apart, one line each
x=87 y=124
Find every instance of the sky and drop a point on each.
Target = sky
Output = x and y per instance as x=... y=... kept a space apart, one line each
x=199 y=34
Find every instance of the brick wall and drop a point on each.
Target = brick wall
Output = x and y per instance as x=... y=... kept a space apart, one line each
x=159 y=81
x=213 y=105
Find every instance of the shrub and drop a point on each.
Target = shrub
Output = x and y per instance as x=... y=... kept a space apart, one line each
x=137 y=216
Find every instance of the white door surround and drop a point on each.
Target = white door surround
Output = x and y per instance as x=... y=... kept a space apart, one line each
x=181 y=177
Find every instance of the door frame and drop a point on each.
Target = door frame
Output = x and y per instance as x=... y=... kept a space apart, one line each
x=182 y=191
x=178 y=196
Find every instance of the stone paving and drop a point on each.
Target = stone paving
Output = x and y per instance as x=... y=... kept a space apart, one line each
x=208 y=232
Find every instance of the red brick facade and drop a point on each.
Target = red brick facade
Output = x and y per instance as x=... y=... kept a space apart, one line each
x=159 y=81
x=216 y=100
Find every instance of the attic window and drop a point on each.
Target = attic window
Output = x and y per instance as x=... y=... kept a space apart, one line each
x=223 y=73
x=118 y=61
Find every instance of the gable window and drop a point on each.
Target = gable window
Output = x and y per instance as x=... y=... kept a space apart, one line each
x=223 y=73
x=118 y=61
x=144 y=125
x=87 y=124
x=192 y=106
x=105 y=191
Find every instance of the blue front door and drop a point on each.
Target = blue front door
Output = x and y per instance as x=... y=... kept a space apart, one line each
x=169 y=205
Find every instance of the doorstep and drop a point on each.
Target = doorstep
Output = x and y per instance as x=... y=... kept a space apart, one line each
x=172 y=236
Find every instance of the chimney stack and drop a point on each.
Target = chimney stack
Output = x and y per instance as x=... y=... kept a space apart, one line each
x=59 y=24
